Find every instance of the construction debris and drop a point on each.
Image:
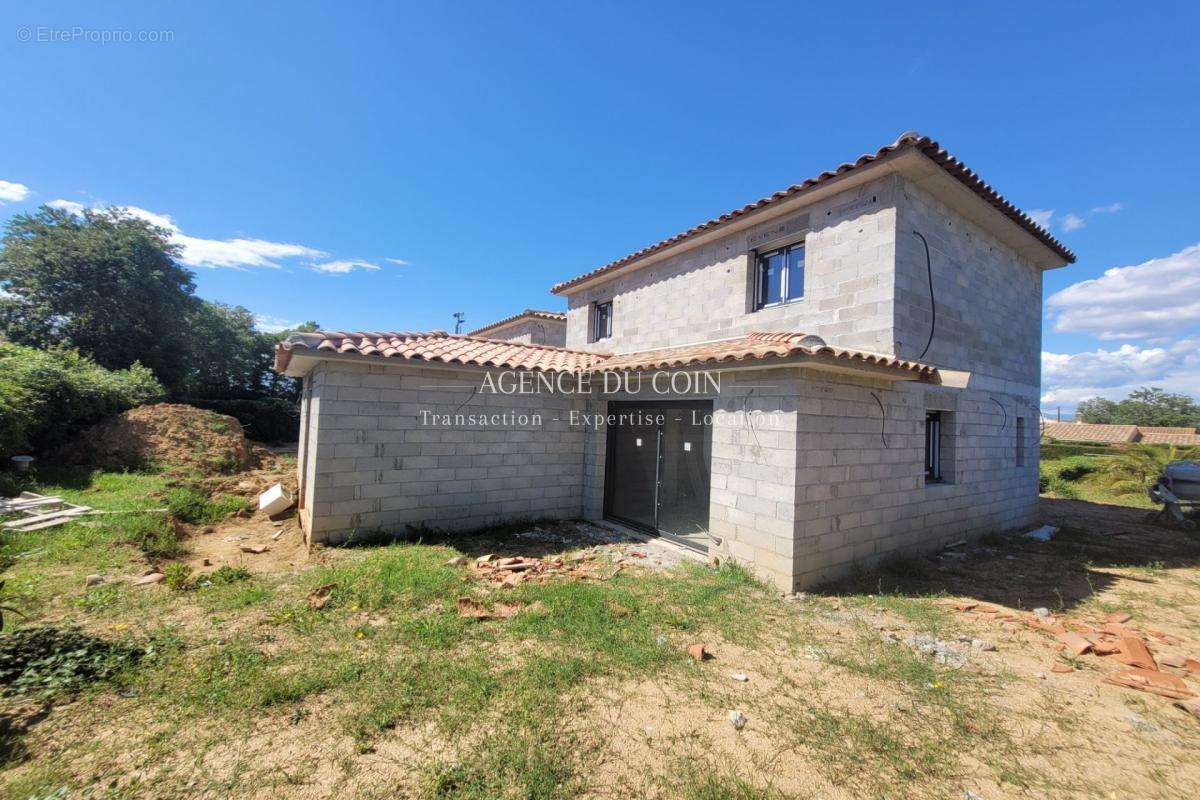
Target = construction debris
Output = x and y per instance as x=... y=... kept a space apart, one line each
x=39 y=511
x=152 y=578
x=1153 y=681
x=255 y=549
x=740 y=677
x=737 y=719
x=274 y=501
x=698 y=652
x=1113 y=638
x=513 y=571
x=1042 y=534
x=93 y=580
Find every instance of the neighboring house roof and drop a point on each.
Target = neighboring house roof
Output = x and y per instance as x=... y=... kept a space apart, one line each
x=531 y=313
x=1150 y=436
x=912 y=139
x=1083 y=432
x=439 y=346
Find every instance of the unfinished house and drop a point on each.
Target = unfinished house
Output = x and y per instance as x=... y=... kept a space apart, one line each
x=528 y=327
x=844 y=370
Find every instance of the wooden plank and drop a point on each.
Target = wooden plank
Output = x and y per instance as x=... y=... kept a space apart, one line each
x=27 y=523
x=20 y=505
x=50 y=523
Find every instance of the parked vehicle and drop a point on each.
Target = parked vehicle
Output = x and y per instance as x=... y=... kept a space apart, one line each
x=1177 y=488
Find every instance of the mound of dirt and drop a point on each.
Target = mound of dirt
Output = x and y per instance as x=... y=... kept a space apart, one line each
x=165 y=435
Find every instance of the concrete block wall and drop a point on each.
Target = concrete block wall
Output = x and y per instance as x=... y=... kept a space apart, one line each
x=532 y=331
x=380 y=465
x=705 y=293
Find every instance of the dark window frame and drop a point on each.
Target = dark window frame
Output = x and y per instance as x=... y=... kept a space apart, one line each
x=602 y=321
x=786 y=290
x=933 y=447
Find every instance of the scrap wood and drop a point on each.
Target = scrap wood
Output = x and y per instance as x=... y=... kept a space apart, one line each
x=1152 y=681
x=1063 y=668
x=1133 y=651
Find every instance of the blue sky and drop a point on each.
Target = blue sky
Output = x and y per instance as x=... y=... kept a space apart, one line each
x=306 y=150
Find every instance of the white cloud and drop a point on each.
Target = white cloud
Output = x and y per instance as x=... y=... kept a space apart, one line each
x=1157 y=298
x=237 y=253
x=269 y=324
x=69 y=206
x=342 y=267
x=12 y=192
x=400 y=262
x=1073 y=222
x=158 y=220
x=1042 y=216
x=241 y=253
x=1111 y=208
x=1071 y=378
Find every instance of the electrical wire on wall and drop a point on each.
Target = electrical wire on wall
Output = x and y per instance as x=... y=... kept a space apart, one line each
x=1002 y=411
x=882 y=421
x=932 y=301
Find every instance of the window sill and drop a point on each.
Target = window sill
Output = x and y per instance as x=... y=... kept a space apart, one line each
x=780 y=304
x=940 y=483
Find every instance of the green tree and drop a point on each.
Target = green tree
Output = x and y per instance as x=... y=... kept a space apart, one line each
x=229 y=359
x=1151 y=407
x=103 y=282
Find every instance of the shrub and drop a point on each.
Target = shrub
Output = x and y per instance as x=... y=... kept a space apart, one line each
x=154 y=534
x=270 y=419
x=47 y=395
x=226 y=574
x=1136 y=469
x=177 y=575
x=45 y=660
x=188 y=504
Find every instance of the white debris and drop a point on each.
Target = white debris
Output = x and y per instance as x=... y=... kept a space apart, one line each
x=1042 y=612
x=274 y=500
x=737 y=719
x=740 y=677
x=1042 y=534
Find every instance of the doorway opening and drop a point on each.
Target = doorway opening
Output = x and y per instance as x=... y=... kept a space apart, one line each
x=659 y=467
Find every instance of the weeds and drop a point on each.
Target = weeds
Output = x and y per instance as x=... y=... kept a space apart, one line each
x=189 y=504
x=43 y=661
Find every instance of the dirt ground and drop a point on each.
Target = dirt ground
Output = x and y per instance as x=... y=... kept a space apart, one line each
x=840 y=699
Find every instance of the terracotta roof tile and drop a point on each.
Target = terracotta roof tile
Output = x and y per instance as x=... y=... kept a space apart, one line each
x=439 y=346
x=1083 y=432
x=757 y=347
x=912 y=139
x=1153 y=436
x=532 y=313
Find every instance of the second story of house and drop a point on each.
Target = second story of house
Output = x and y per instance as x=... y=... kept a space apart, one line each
x=903 y=252
x=528 y=327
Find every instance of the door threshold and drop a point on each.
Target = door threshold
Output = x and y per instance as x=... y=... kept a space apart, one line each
x=692 y=551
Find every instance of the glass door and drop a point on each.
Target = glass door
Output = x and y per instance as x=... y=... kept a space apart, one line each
x=659 y=467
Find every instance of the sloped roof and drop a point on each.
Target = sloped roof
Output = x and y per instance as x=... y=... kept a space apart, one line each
x=754 y=347
x=531 y=313
x=446 y=348
x=1158 y=436
x=437 y=346
x=913 y=140
x=1084 y=432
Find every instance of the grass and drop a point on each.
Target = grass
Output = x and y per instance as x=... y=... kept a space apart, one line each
x=496 y=708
